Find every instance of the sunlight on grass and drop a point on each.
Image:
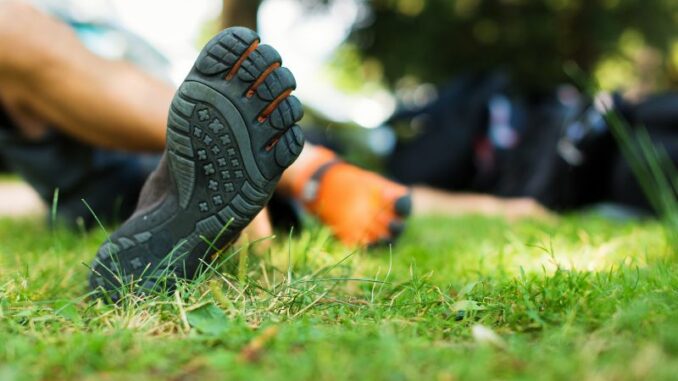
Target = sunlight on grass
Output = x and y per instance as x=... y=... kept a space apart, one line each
x=474 y=246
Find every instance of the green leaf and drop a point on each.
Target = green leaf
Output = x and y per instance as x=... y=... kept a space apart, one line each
x=467 y=305
x=67 y=310
x=467 y=289
x=208 y=319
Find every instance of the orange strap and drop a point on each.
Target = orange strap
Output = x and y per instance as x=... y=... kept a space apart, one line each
x=321 y=158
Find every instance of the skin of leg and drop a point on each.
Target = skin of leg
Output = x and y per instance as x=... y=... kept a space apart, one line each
x=429 y=201
x=47 y=73
x=30 y=125
x=260 y=230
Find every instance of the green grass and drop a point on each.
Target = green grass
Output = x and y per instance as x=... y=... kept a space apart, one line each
x=467 y=298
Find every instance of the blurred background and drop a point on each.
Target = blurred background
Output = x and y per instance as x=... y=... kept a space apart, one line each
x=358 y=61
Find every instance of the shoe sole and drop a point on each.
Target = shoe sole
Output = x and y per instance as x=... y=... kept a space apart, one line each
x=231 y=133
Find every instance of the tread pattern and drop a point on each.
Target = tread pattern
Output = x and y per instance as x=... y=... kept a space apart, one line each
x=225 y=50
x=223 y=161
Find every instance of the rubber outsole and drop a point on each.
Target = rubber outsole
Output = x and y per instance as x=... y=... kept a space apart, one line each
x=231 y=133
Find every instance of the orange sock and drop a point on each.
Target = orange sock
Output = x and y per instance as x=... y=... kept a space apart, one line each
x=360 y=207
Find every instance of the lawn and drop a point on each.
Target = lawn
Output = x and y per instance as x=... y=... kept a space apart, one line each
x=466 y=298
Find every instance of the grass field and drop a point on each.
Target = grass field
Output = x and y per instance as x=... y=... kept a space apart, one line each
x=469 y=298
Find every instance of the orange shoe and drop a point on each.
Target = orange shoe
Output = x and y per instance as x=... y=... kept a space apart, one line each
x=360 y=207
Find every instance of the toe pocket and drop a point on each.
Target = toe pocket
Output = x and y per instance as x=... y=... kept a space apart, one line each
x=403 y=205
x=276 y=84
x=256 y=64
x=225 y=49
x=289 y=146
x=287 y=113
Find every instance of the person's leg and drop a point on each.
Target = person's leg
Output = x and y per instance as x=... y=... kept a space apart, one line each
x=65 y=107
x=46 y=71
x=42 y=64
x=430 y=201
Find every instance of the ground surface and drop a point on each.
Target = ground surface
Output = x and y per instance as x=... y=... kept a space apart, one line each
x=18 y=199
x=465 y=298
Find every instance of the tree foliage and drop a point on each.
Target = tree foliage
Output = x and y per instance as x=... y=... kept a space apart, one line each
x=433 y=40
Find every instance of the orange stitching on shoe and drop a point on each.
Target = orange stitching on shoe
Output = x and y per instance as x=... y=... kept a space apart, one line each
x=274 y=141
x=261 y=79
x=269 y=109
x=236 y=66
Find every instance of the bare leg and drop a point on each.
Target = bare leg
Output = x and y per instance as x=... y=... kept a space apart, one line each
x=45 y=72
x=429 y=201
